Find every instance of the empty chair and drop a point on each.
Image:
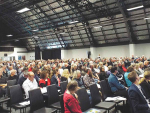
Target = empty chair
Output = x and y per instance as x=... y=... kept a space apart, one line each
x=106 y=92
x=61 y=103
x=37 y=102
x=96 y=99
x=16 y=97
x=63 y=86
x=84 y=100
x=53 y=97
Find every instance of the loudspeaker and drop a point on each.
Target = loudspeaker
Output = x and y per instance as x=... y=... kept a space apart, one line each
x=37 y=53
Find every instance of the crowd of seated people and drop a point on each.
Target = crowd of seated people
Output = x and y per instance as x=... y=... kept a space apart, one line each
x=31 y=74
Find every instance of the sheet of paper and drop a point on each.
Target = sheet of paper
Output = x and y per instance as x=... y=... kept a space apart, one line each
x=44 y=90
x=115 y=98
x=98 y=86
x=25 y=103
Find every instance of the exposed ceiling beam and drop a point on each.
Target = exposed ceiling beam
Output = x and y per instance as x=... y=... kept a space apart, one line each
x=127 y=23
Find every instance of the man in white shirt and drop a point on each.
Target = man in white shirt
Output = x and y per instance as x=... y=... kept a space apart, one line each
x=29 y=84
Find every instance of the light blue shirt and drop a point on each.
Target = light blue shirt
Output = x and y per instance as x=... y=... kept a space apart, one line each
x=128 y=82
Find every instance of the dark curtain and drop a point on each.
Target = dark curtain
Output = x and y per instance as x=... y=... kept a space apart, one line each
x=37 y=53
x=51 y=54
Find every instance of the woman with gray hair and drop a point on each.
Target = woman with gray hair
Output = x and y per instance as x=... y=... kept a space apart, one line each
x=77 y=77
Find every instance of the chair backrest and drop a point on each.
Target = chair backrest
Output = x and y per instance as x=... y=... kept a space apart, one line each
x=36 y=99
x=63 y=79
x=83 y=99
x=96 y=97
x=63 y=86
x=10 y=83
x=61 y=103
x=16 y=94
x=53 y=95
x=106 y=90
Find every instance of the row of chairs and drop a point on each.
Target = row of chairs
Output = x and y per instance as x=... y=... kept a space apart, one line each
x=16 y=91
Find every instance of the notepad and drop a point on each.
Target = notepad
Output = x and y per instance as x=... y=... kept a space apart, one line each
x=94 y=111
x=44 y=90
x=25 y=103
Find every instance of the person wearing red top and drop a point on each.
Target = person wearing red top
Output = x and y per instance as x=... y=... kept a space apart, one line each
x=71 y=103
x=123 y=67
x=44 y=81
x=30 y=68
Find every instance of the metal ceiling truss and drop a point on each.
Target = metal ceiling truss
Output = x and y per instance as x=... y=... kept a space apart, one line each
x=51 y=18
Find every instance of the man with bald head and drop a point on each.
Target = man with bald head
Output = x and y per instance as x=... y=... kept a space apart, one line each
x=29 y=84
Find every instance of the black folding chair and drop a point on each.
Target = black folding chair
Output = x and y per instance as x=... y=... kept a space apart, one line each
x=63 y=86
x=61 y=103
x=10 y=83
x=16 y=97
x=53 y=97
x=96 y=99
x=84 y=100
x=37 y=102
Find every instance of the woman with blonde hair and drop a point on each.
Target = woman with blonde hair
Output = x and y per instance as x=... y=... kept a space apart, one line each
x=77 y=77
x=137 y=69
x=145 y=84
x=141 y=65
x=65 y=75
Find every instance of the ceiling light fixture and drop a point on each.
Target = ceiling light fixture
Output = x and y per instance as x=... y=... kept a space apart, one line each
x=130 y=9
x=35 y=30
x=23 y=10
x=97 y=26
x=146 y=18
x=16 y=40
x=72 y=22
x=62 y=33
x=9 y=35
x=48 y=47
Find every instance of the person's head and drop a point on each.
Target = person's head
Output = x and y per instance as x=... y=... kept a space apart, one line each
x=31 y=76
x=109 y=68
x=102 y=69
x=35 y=70
x=114 y=70
x=56 y=71
x=141 y=64
x=130 y=69
x=72 y=86
x=65 y=73
x=133 y=77
x=45 y=66
x=76 y=74
x=10 y=67
x=25 y=73
x=44 y=74
x=87 y=70
x=137 y=66
x=13 y=72
x=75 y=66
x=147 y=75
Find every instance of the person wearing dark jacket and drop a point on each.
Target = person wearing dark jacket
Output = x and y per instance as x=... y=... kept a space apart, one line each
x=145 y=84
x=56 y=78
x=137 y=96
x=103 y=75
x=12 y=75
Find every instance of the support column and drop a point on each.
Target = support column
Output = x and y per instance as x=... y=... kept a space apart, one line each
x=131 y=49
x=93 y=52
